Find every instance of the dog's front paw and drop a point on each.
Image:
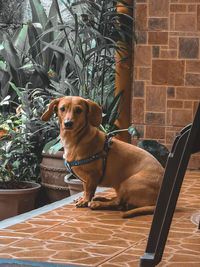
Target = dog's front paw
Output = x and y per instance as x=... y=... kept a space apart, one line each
x=81 y=203
x=94 y=205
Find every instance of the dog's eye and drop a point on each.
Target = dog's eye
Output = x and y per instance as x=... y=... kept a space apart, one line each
x=78 y=110
x=62 y=109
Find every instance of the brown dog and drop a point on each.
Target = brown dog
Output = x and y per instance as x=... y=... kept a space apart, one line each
x=132 y=172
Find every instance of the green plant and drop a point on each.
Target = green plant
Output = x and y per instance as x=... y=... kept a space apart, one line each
x=24 y=60
x=17 y=161
x=24 y=135
x=32 y=107
x=90 y=39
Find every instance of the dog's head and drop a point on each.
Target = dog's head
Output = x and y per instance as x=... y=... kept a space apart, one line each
x=74 y=112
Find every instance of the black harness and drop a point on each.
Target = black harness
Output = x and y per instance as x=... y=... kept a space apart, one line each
x=103 y=155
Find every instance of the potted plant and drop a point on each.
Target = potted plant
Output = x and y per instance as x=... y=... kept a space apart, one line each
x=49 y=58
x=18 y=181
x=49 y=167
x=26 y=69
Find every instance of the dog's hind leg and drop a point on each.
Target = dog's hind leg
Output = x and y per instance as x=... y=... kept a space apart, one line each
x=109 y=204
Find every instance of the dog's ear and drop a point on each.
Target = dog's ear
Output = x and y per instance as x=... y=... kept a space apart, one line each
x=94 y=113
x=51 y=109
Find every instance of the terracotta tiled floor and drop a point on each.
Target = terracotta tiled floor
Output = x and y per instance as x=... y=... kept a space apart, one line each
x=69 y=235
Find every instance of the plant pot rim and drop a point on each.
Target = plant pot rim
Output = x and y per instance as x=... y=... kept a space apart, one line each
x=35 y=186
x=72 y=180
x=58 y=154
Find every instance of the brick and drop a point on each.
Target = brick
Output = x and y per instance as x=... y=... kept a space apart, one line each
x=155 y=51
x=138 y=89
x=188 y=93
x=168 y=72
x=155 y=118
x=156 y=38
x=192 y=79
x=138 y=110
x=142 y=56
x=173 y=43
x=170 y=136
x=168 y=54
x=189 y=1
x=185 y=22
x=187 y=104
x=169 y=116
x=193 y=66
x=164 y=46
x=174 y=104
x=158 y=24
x=192 y=8
x=158 y=8
x=172 y=22
x=188 y=47
x=141 y=37
x=155 y=132
x=198 y=18
x=170 y=92
x=181 y=117
x=177 y=8
x=135 y=74
x=144 y=74
x=155 y=99
x=141 y=16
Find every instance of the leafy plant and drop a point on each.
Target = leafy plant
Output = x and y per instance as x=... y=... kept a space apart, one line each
x=24 y=135
x=24 y=61
x=111 y=111
x=16 y=158
x=50 y=57
x=90 y=39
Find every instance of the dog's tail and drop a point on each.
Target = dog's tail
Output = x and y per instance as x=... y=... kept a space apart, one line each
x=146 y=210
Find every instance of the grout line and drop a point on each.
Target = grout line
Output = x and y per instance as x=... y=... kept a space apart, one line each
x=31 y=214
x=122 y=251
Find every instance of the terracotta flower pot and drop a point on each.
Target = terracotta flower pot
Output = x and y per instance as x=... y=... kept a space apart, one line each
x=75 y=185
x=52 y=173
x=16 y=201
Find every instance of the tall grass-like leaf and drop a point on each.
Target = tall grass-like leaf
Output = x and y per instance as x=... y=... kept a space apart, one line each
x=10 y=53
x=19 y=93
x=20 y=40
x=48 y=38
x=38 y=12
x=35 y=44
x=53 y=14
x=5 y=83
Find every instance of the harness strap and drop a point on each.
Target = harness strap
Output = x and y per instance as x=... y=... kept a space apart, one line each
x=69 y=165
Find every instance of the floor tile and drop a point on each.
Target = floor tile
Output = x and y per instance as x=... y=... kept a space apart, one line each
x=69 y=235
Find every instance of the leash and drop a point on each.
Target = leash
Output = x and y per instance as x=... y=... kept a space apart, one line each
x=107 y=145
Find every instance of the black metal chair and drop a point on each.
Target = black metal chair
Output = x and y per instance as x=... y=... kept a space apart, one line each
x=185 y=144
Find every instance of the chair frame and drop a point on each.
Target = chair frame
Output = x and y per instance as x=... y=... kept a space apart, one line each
x=185 y=144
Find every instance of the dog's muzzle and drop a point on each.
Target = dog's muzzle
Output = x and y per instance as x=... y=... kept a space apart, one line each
x=68 y=124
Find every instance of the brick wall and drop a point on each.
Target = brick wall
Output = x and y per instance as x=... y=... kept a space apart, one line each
x=166 y=86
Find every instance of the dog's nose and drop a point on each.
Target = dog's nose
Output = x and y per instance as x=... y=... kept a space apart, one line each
x=68 y=124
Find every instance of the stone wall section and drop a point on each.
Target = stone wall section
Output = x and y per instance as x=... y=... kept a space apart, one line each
x=166 y=86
